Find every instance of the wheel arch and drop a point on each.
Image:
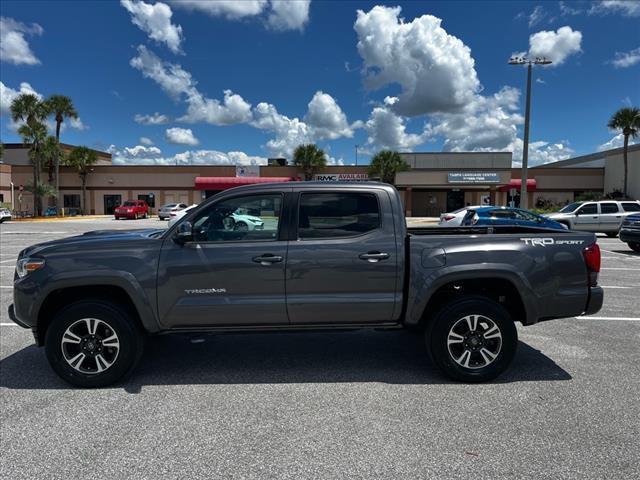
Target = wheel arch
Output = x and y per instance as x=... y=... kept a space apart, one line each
x=505 y=288
x=126 y=296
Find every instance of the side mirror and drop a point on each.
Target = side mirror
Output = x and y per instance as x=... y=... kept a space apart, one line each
x=577 y=213
x=184 y=233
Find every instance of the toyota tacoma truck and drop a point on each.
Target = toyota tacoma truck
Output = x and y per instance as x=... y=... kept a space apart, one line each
x=329 y=257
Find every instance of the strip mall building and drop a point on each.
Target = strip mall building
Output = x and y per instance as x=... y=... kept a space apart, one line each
x=435 y=182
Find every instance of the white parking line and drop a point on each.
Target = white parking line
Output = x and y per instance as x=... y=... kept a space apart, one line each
x=34 y=233
x=621 y=255
x=613 y=286
x=7 y=261
x=625 y=319
x=633 y=269
x=5 y=286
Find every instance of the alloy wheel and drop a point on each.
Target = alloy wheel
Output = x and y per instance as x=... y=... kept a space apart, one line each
x=90 y=346
x=474 y=341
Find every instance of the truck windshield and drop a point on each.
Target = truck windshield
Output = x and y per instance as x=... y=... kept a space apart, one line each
x=570 y=208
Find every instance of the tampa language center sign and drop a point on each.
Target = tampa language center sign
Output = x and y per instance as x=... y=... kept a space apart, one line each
x=473 y=177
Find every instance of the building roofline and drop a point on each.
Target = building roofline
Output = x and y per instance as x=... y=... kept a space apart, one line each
x=16 y=146
x=587 y=158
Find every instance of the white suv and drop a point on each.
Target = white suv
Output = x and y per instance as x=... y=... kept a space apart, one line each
x=604 y=216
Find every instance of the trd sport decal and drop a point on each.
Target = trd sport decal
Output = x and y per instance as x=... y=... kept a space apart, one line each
x=543 y=242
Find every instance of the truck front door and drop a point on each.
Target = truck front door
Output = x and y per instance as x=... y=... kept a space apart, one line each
x=342 y=267
x=232 y=273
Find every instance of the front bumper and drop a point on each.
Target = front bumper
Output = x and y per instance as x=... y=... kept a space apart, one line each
x=14 y=318
x=630 y=235
x=594 y=303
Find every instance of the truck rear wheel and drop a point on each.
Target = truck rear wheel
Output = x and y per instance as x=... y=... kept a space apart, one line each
x=635 y=246
x=93 y=343
x=472 y=340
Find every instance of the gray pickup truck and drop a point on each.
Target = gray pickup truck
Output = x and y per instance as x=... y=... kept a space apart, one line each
x=326 y=256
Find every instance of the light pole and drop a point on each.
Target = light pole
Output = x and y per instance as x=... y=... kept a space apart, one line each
x=357 y=155
x=525 y=148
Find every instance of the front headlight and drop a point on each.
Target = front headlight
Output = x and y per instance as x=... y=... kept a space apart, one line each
x=28 y=265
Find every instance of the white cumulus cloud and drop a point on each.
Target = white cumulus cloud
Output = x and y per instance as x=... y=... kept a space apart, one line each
x=556 y=46
x=232 y=110
x=153 y=119
x=434 y=69
x=155 y=21
x=615 y=142
x=626 y=59
x=277 y=14
x=288 y=14
x=14 y=47
x=180 y=136
x=8 y=94
x=385 y=129
x=230 y=9
x=627 y=8
x=179 y=84
x=326 y=119
x=146 y=141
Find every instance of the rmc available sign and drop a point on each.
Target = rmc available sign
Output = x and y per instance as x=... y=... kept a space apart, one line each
x=473 y=177
x=341 y=177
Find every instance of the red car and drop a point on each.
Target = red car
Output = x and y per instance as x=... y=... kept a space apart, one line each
x=132 y=209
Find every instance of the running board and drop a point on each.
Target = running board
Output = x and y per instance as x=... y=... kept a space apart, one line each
x=282 y=328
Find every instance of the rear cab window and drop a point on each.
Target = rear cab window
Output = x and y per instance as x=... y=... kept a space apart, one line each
x=337 y=215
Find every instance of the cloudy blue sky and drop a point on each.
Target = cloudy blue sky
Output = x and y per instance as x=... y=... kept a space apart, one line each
x=239 y=81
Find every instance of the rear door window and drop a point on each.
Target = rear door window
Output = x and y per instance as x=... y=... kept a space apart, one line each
x=631 y=206
x=337 y=215
x=609 y=207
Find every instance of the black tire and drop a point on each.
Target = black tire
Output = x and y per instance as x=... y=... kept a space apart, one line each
x=635 y=246
x=449 y=317
x=241 y=227
x=121 y=323
x=611 y=234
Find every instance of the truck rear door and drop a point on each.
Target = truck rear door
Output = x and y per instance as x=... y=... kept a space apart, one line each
x=342 y=263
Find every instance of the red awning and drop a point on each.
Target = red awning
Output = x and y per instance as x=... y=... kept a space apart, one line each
x=222 y=183
x=517 y=183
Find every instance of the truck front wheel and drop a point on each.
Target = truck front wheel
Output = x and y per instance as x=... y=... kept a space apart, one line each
x=93 y=343
x=472 y=340
x=635 y=246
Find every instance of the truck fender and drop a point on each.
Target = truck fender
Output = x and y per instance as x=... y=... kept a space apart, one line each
x=124 y=280
x=423 y=289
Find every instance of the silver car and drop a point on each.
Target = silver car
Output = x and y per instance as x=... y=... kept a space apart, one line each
x=604 y=216
x=165 y=212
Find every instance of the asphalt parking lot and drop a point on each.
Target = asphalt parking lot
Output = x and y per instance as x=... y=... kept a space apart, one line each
x=331 y=405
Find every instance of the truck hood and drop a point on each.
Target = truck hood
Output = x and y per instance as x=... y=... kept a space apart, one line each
x=94 y=239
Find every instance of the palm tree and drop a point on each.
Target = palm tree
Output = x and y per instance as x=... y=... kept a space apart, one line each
x=81 y=159
x=34 y=133
x=41 y=189
x=51 y=152
x=61 y=107
x=29 y=110
x=310 y=158
x=385 y=164
x=628 y=120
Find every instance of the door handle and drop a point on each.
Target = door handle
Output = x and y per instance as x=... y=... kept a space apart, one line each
x=373 y=257
x=267 y=259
